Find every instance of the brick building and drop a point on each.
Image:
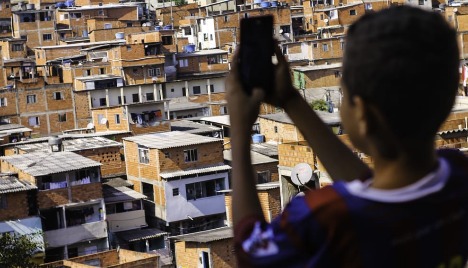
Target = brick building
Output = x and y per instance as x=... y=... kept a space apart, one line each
x=116 y=258
x=13 y=133
x=69 y=199
x=265 y=167
x=181 y=174
x=213 y=248
x=18 y=211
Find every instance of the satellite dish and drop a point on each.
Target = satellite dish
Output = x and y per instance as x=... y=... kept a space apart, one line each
x=90 y=125
x=103 y=121
x=216 y=134
x=301 y=174
x=325 y=20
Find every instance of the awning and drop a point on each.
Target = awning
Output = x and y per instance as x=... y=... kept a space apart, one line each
x=137 y=235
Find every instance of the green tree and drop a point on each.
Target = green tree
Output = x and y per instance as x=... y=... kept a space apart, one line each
x=180 y=2
x=18 y=250
x=319 y=105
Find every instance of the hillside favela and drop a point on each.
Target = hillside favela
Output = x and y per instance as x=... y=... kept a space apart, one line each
x=114 y=128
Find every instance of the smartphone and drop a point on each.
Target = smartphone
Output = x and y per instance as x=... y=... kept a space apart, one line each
x=256 y=51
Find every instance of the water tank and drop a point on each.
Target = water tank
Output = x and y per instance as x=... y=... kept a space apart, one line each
x=265 y=4
x=258 y=138
x=55 y=144
x=167 y=27
x=190 y=48
x=60 y=5
x=9 y=86
x=257 y=1
x=30 y=6
x=70 y=3
x=85 y=33
x=157 y=28
x=119 y=35
x=274 y=3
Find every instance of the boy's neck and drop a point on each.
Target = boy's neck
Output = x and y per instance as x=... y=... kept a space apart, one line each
x=404 y=169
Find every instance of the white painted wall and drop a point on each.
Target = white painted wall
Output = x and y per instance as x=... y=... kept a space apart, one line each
x=178 y=207
x=207 y=29
x=217 y=82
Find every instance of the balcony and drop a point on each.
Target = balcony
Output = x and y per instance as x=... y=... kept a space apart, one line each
x=75 y=234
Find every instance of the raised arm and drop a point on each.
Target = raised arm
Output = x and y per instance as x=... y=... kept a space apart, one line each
x=340 y=162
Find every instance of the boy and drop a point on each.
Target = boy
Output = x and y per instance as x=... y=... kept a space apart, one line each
x=400 y=77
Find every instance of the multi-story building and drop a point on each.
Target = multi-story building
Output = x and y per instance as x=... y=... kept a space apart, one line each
x=18 y=211
x=180 y=173
x=69 y=199
x=13 y=133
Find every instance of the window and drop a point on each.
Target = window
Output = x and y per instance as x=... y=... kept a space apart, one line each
x=276 y=129
x=129 y=48
x=64 y=17
x=75 y=15
x=58 y=95
x=175 y=192
x=87 y=72
x=196 y=90
x=226 y=18
x=187 y=31
x=33 y=121
x=107 y=25
x=154 y=72
x=204 y=188
x=3 y=201
x=101 y=12
x=172 y=90
x=190 y=155
x=223 y=110
x=17 y=47
x=183 y=63
x=117 y=118
x=100 y=118
x=62 y=117
x=3 y=102
x=205 y=37
x=167 y=40
x=214 y=59
x=167 y=155
x=337 y=74
x=129 y=24
x=148 y=190
x=119 y=99
x=102 y=70
x=342 y=44
x=352 y=12
x=211 y=37
x=46 y=37
x=325 y=47
x=368 y=6
x=263 y=176
x=321 y=16
x=285 y=29
x=136 y=97
x=315 y=45
x=150 y=96
x=421 y=2
x=31 y=99
x=102 y=102
x=135 y=70
x=143 y=155
x=211 y=88
x=184 y=93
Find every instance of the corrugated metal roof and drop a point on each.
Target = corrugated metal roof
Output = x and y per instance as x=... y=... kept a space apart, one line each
x=260 y=187
x=185 y=106
x=328 y=118
x=198 y=170
x=120 y=194
x=265 y=148
x=118 y=182
x=42 y=164
x=71 y=145
x=192 y=127
x=452 y=131
x=136 y=235
x=9 y=184
x=16 y=130
x=9 y=126
x=257 y=158
x=219 y=119
x=206 y=236
x=172 y=139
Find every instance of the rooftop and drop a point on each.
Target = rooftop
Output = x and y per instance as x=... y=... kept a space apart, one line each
x=219 y=119
x=328 y=118
x=265 y=148
x=120 y=194
x=318 y=67
x=136 y=235
x=42 y=164
x=220 y=167
x=69 y=145
x=257 y=158
x=173 y=139
x=184 y=106
x=260 y=187
x=206 y=236
x=192 y=127
x=10 y=184
x=202 y=53
x=117 y=182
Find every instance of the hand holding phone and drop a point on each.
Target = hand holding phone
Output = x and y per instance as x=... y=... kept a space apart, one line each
x=256 y=51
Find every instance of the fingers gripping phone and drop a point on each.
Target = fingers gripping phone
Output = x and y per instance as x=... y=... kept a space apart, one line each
x=256 y=51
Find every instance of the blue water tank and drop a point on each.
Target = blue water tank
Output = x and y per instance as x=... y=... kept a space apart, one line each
x=190 y=48
x=70 y=3
x=119 y=35
x=257 y=1
x=167 y=27
x=85 y=33
x=265 y=4
x=258 y=138
x=157 y=28
x=9 y=86
x=274 y=3
x=60 y=5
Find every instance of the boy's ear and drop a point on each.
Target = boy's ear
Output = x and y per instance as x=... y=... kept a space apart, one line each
x=361 y=116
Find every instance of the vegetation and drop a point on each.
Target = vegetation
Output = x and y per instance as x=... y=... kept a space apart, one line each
x=18 y=250
x=319 y=105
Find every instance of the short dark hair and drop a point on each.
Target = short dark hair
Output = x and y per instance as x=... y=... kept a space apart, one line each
x=404 y=60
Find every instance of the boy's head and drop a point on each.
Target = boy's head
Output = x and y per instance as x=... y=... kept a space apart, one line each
x=403 y=61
